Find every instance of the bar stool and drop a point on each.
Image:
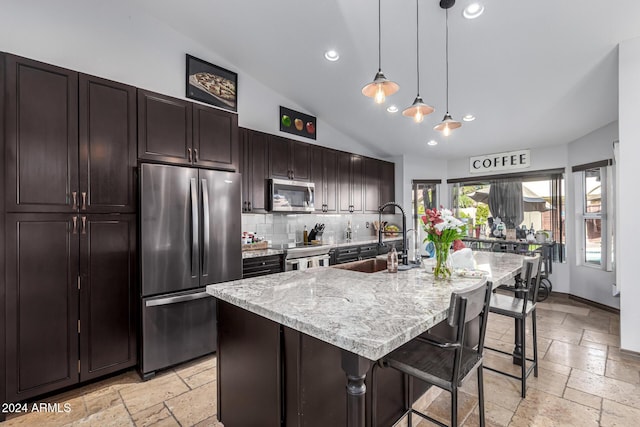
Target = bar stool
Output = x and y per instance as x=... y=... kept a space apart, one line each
x=519 y=308
x=443 y=363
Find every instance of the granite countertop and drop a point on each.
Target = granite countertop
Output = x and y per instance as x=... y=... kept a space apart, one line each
x=366 y=314
x=342 y=243
x=261 y=252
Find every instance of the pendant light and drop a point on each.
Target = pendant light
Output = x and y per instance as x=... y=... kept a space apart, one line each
x=418 y=109
x=380 y=87
x=447 y=124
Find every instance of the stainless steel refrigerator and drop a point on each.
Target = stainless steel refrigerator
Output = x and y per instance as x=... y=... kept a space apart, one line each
x=189 y=238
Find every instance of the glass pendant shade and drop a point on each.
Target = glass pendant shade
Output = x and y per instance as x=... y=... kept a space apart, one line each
x=418 y=110
x=447 y=125
x=380 y=88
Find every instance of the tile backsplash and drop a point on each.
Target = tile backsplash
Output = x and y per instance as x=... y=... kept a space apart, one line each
x=288 y=228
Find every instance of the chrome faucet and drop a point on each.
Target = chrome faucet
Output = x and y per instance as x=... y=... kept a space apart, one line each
x=405 y=249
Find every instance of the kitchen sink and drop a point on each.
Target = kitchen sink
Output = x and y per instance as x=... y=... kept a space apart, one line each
x=372 y=265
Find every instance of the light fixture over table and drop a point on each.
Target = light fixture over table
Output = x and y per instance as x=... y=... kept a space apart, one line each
x=447 y=124
x=380 y=87
x=418 y=109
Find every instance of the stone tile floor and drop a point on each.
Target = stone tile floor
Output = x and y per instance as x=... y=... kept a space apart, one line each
x=584 y=380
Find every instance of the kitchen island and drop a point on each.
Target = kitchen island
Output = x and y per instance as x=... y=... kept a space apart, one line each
x=286 y=341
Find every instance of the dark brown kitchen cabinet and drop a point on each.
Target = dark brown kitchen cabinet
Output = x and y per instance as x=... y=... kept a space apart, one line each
x=255 y=170
x=215 y=138
x=107 y=291
x=42 y=304
x=41 y=137
x=107 y=146
x=71 y=141
x=164 y=128
x=70 y=292
x=324 y=174
x=387 y=182
x=175 y=131
x=350 y=181
x=288 y=159
x=371 y=182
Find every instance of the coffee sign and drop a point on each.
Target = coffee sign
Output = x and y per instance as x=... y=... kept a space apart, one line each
x=509 y=160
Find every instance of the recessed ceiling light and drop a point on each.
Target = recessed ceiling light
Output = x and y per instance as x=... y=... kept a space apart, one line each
x=331 y=55
x=392 y=109
x=469 y=118
x=473 y=11
x=432 y=142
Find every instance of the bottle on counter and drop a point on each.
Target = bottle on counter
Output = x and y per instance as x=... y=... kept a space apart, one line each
x=348 y=232
x=392 y=260
x=305 y=235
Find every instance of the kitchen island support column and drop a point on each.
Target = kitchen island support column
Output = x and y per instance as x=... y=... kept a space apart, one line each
x=355 y=367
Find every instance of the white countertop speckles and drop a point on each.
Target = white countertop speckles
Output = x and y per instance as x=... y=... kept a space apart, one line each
x=367 y=314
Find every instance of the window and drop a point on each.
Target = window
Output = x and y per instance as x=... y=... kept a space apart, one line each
x=594 y=186
x=424 y=196
x=539 y=194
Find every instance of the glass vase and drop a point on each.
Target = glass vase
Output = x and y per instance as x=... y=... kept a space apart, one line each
x=443 y=267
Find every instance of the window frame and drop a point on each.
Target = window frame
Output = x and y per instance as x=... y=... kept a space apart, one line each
x=605 y=215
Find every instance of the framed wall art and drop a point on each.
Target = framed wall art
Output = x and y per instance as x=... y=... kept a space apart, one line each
x=212 y=84
x=297 y=123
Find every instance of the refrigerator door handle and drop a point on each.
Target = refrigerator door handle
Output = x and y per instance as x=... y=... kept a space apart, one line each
x=205 y=225
x=176 y=299
x=194 y=226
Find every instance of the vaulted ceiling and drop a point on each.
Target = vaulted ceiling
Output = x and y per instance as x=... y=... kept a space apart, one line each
x=534 y=73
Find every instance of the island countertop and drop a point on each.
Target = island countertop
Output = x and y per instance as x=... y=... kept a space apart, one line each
x=366 y=314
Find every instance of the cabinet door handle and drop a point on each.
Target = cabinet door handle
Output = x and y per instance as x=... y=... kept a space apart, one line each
x=84 y=225
x=249 y=206
x=244 y=205
x=84 y=201
x=74 y=200
x=74 y=219
x=195 y=155
x=189 y=155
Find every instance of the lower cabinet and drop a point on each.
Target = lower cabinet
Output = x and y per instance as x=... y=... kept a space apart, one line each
x=270 y=375
x=261 y=266
x=70 y=292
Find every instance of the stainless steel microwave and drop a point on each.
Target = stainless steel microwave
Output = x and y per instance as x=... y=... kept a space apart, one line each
x=291 y=196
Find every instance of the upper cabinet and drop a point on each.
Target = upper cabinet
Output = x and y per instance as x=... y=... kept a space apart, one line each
x=71 y=141
x=288 y=159
x=350 y=181
x=176 y=131
x=372 y=181
x=324 y=174
x=254 y=170
x=164 y=128
x=387 y=182
x=41 y=137
x=215 y=138
x=107 y=146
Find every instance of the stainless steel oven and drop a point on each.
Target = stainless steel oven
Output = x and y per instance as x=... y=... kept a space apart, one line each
x=291 y=196
x=303 y=257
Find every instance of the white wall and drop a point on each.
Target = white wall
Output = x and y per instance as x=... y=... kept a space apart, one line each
x=628 y=201
x=115 y=40
x=587 y=282
x=550 y=157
